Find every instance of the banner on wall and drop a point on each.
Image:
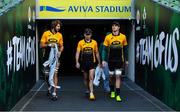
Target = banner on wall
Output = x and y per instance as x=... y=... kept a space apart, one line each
x=158 y=51
x=17 y=53
x=83 y=9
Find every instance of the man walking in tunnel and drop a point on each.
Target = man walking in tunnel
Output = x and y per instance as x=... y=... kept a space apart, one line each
x=52 y=39
x=115 y=47
x=89 y=53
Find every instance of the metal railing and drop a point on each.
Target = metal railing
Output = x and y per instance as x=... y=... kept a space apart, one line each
x=5 y=5
x=172 y=4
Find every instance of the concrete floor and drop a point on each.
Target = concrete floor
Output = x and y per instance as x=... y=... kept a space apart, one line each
x=71 y=97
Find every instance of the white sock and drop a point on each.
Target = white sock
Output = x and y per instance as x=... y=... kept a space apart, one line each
x=91 y=93
x=54 y=94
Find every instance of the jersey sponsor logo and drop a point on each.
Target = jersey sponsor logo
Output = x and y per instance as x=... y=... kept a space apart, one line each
x=116 y=43
x=87 y=49
x=52 y=40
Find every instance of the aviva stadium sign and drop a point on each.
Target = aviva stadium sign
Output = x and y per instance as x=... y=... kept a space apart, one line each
x=83 y=9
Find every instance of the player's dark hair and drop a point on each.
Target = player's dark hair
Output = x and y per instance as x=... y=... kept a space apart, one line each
x=55 y=23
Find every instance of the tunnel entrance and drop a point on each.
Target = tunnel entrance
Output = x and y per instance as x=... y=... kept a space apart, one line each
x=72 y=31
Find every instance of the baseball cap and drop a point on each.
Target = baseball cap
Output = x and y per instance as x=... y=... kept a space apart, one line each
x=87 y=31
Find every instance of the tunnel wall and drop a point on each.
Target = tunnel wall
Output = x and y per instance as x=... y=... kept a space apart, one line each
x=157 y=35
x=17 y=52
